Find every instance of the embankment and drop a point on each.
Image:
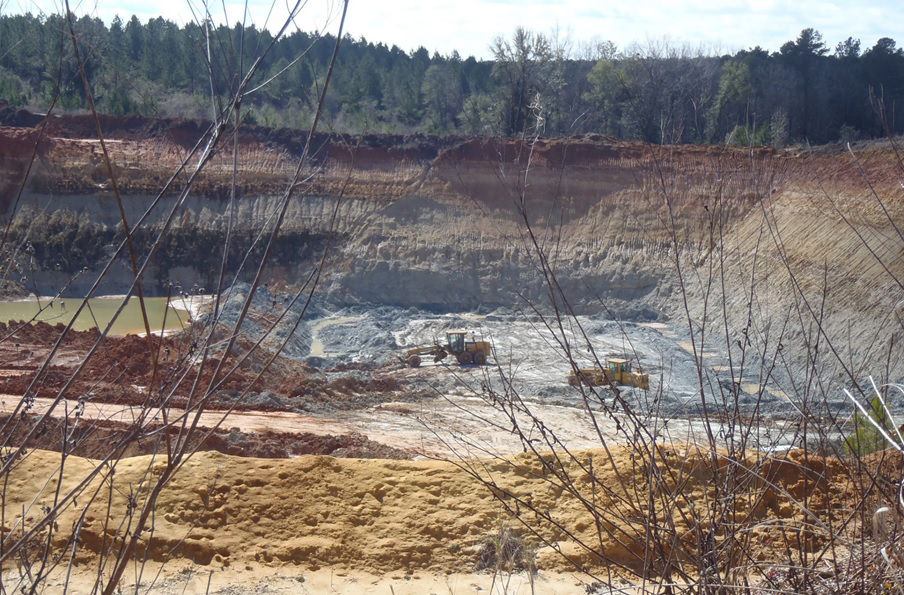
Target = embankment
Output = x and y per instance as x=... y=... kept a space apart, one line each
x=387 y=516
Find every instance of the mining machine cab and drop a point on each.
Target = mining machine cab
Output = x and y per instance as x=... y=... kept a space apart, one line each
x=620 y=371
x=466 y=351
x=473 y=351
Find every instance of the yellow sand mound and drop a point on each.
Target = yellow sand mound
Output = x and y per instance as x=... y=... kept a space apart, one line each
x=385 y=516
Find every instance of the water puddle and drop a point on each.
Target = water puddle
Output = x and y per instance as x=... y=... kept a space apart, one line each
x=689 y=347
x=317 y=347
x=659 y=326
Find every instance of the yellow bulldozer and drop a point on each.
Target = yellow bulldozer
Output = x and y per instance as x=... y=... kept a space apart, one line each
x=617 y=371
x=466 y=351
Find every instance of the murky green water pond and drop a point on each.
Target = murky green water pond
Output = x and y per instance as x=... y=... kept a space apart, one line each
x=98 y=314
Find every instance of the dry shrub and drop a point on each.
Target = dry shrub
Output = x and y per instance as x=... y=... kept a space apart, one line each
x=506 y=551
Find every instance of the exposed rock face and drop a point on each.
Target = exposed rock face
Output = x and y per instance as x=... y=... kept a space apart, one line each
x=16 y=150
x=455 y=224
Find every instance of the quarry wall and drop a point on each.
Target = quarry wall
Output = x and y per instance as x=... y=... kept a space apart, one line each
x=455 y=224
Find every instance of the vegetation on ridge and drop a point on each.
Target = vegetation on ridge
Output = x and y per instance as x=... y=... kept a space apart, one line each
x=660 y=94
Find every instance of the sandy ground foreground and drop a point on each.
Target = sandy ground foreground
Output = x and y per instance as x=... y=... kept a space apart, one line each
x=313 y=524
x=174 y=580
x=379 y=526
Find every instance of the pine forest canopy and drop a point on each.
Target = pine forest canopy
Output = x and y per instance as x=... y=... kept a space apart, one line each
x=806 y=91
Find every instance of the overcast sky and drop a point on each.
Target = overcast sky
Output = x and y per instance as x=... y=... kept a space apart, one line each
x=469 y=26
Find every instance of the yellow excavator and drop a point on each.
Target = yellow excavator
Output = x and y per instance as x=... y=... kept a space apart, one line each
x=473 y=351
x=617 y=370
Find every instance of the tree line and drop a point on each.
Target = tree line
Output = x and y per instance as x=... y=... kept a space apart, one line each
x=805 y=92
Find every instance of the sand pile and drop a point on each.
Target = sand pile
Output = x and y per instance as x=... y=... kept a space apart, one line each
x=385 y=516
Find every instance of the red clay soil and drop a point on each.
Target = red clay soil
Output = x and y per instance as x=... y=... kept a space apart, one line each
x=373 y=149
x=122 y=368
x=44 y=334
x=146 y=151
x=95 y=438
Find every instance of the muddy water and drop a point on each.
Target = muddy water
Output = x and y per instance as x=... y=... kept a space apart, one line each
x=97 y=314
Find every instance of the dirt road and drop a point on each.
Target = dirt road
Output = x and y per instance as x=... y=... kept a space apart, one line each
x=438 y=427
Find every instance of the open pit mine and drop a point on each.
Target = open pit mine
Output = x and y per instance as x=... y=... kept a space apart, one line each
x=453 y=345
